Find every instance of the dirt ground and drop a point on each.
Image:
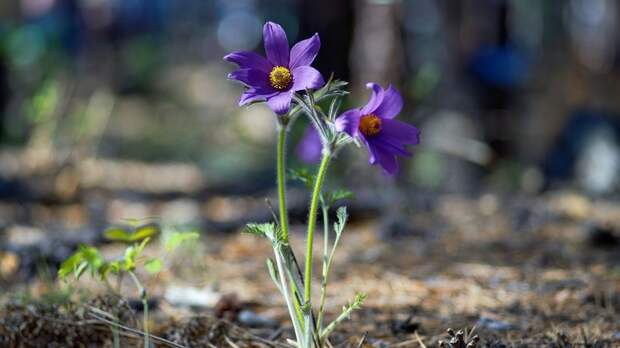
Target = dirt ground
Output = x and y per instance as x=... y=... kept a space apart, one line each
x=517 y=271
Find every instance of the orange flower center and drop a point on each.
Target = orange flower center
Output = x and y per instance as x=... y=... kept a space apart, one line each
x=280 y=77
x=370 y=124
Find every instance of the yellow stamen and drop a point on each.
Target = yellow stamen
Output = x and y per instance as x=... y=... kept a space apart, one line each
x=370 y=125
x=280 y=77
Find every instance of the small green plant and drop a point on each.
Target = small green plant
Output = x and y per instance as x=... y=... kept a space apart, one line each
x=88 y=259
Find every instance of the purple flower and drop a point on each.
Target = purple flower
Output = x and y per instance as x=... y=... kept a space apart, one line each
x=282 y=73
x=375 y=125
x=310 y=147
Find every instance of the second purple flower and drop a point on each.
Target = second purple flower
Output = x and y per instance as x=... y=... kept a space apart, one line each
x=374 y=125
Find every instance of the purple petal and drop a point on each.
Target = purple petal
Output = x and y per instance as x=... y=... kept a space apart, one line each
x=310 y=147
x=349 y=122
x=304 y=52
x=306 y=77
x=249 y=60
x=252 y=95
x=276 y=44
x=251 y=77
x=391 y=104
x=383 y=157
x=390 y=145
x=400 y=131
x=280 y=102
x=375 y=98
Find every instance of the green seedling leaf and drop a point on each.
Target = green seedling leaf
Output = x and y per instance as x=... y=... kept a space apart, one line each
x=92 y=256
x=131 y=254
x=142 y=245
x=70 y=265
x=109 y=267
x=153 y=265
x=129 y=260
x=130 y=234
x=81 y=268
x=145 y=231
x=118 y=234
x=86 y=258
x=175 y=239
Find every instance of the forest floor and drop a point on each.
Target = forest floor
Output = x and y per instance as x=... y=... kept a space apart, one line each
x=517 y=271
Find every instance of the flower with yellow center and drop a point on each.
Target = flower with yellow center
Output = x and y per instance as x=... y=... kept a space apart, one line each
x=280 y=78
x=275 y=78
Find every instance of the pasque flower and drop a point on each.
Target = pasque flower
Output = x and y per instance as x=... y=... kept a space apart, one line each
x=274 y=79
x=375 y=126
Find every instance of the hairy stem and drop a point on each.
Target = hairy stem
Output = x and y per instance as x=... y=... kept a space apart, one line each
x=290 y=304
x=145 y=309
x=325 y=212
x=281 y=149
x=314 y=203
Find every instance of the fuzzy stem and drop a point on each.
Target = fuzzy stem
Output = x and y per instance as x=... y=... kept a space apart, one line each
x=282 y=129
x=314 y=203
x=325 y=212
x=145 y=308
x=326 y=270
x=287 y=298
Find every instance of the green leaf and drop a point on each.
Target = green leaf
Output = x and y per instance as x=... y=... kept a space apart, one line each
x=153 y=265
x=93 y=257
x=346 y=313
x=267 y=230
x=81 y=268
x=342 y=216
x=118 y=234
x=273 y=272
x=145 y=231
x=339 y=195
x=131 y=254
x=86 y=258
x=175 y=239
x=142 y=245
x=334 y=106
x=130 y=234
x=129 y=263
x=109 y=267
x=70 y=264
x=129 y=260
x=303 y=175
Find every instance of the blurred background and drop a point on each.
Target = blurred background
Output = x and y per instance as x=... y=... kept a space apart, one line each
x=115 y=109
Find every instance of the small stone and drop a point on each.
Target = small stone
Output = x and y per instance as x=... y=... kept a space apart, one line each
x=493 y=324
x=251 y=319
x=191 y=297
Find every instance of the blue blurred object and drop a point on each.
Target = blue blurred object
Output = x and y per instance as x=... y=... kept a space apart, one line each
x=140 y=16
x=500 y=66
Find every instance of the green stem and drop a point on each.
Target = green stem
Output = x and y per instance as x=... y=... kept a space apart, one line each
x=145 y=308
x=314 y=203
x=282 y=129
x=290 y=302
x=325 y=212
